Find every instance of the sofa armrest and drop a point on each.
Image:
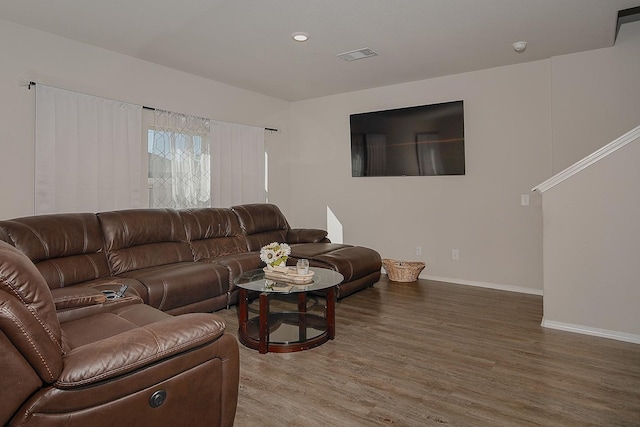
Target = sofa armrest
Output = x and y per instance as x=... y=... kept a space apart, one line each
x=76 y=297
x=306 y=235
x=138 y=348
x=76 y=302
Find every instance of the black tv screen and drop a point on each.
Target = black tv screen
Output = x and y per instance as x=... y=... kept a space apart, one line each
x=425 y=140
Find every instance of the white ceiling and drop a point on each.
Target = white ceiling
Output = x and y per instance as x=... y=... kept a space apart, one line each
x=247 y=43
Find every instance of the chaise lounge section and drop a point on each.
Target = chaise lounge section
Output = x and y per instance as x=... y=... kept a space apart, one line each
x=265 y=223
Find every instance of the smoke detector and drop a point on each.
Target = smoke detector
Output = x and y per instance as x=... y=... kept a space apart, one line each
x=357 y=54
x=520 y=46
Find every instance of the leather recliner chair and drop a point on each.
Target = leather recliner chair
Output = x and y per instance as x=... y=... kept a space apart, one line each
x=107 y=362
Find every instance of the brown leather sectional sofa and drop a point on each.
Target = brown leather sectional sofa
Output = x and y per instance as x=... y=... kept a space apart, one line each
x=72 y=354
x=179 y=261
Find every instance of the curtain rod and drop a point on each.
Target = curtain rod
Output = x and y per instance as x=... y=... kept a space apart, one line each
x=28 y=84
x=25 y=83
x=154 y=109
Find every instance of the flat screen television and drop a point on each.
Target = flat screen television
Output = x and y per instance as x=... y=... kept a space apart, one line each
x=426 y=140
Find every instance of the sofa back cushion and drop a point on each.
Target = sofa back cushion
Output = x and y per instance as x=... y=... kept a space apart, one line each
x=142 y=238
x=28 y=319
x=262 y=223
x=213 y=232
x=66 y=248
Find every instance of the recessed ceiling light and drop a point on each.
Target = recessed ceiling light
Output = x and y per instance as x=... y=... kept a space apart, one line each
x=300 y=37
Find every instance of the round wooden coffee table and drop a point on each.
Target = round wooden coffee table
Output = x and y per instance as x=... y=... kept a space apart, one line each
x=286 y=331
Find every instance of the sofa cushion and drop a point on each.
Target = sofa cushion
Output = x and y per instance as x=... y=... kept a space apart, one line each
x=66 y=248
x=260 y=217
x=213 y=232
x=171 y=286
x=311 y=250
x=352 y=262
x=119 y=346
x=262 y=223
x=238 y=264
x=141 y=238
x=306 y=235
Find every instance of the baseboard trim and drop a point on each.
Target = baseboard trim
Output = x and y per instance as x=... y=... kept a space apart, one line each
x=509 y=288
x=551 y=324
x=587 y=330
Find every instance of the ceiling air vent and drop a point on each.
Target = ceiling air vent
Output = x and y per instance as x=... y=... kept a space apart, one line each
x=357 y=54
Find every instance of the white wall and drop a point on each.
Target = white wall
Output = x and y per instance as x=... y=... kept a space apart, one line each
x=59 y=62
x=591 y=228
x=595 y=97
x=591 y=247
x=508 y=151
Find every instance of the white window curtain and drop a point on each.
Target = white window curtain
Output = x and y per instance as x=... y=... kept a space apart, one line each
x=179 y=148
x=88 y=156
x=238 y=164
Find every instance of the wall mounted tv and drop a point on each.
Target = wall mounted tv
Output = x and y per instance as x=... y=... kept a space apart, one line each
x=425 y=140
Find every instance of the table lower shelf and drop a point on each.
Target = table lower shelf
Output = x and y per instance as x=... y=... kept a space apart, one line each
x=287 y=332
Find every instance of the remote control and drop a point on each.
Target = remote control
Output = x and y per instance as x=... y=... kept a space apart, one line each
x=121 y=291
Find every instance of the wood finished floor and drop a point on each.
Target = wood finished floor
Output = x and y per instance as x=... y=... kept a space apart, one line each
x=432 y=353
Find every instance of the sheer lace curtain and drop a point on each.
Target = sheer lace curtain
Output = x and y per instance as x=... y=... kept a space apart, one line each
x=87 y=156
x=179 y=148
x=238 y=164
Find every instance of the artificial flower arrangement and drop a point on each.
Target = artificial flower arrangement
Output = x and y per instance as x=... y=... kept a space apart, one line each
x=275 y=254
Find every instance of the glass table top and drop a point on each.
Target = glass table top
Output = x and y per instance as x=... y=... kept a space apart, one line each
x=255 y=280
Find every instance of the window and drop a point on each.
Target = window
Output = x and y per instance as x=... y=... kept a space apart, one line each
x=179 y=170
x=179 y=156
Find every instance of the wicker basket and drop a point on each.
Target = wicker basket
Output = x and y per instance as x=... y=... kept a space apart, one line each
x=402 y=271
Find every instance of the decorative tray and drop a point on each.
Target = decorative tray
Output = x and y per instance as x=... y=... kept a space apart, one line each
x=289 y=275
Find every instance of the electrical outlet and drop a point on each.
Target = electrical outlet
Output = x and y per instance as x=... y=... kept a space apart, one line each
x=524 y=200
x=418 y=250
x=455 y=254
